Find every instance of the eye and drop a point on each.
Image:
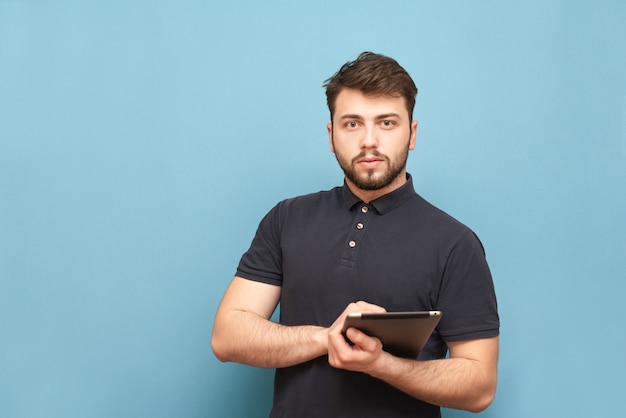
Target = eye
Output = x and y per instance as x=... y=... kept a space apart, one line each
x=387 y=123
x=352 y=124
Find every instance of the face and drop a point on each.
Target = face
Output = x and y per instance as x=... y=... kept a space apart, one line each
x=371 y=138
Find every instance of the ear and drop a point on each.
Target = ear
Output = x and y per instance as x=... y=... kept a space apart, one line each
x=329 y=128
x=412 y=138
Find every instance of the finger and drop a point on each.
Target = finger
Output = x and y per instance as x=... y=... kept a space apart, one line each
x=363 y=341
x=369 y=307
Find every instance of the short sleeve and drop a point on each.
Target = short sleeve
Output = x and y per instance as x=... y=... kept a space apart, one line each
x=467 y=295
x=263 y=260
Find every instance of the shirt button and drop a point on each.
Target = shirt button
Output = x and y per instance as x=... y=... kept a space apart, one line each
x=364 y=209
x=352 y=244
x=359 y=226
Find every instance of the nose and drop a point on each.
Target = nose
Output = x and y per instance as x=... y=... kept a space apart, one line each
x=369 y=139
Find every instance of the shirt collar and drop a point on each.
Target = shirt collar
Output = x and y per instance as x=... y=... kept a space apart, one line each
x=385 y=203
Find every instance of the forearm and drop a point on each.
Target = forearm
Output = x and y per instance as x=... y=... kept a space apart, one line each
x=247 y=338
x=455 y=382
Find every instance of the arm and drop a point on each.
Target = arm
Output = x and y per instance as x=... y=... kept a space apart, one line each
x=242 y=331
x=466 y=380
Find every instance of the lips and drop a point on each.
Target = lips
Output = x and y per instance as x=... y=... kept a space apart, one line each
x=369 y=160
x=369 y=163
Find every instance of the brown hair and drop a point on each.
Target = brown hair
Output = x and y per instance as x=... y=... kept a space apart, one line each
x=375 y=75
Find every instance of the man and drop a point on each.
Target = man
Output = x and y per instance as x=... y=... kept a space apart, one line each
x=373 y=245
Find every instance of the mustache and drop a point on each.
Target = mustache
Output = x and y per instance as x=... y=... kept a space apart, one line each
x=365 y=154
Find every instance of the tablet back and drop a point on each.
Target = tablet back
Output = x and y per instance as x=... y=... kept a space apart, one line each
x=403 y=334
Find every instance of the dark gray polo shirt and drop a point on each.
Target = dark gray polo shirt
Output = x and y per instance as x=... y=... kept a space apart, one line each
x=328 y=249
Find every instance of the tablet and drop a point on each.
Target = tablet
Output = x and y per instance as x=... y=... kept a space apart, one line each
x=403 y=334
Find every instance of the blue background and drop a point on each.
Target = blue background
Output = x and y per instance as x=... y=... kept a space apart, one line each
x=142 y=142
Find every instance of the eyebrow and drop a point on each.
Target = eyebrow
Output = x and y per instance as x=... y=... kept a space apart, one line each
x=388 y=115
x=351 y=116
x=383 y=116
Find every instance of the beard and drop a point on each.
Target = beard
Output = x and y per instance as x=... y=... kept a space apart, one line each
x=372 y=179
